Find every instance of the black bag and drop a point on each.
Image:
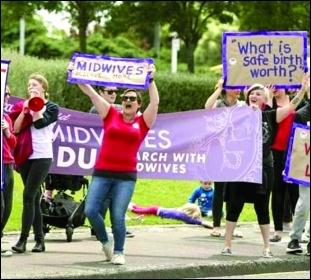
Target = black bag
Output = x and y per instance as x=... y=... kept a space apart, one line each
x=65 y=182
x=62 y=205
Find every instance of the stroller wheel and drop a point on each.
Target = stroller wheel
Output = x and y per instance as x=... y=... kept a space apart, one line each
x=69 y=233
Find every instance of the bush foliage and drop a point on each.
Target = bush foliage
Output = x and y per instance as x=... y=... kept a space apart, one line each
x=178 y=92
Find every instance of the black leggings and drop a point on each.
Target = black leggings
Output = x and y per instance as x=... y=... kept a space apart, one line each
x=33 y=173
x=261 y=206
x=240 y=193
x=218 y=200
x=279 y=190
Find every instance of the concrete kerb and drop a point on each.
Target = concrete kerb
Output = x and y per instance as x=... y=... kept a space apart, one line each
x=159 y=252
x=189 y=271
x=199 y=271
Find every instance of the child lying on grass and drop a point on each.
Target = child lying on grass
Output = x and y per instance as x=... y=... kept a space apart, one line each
x=189 y=213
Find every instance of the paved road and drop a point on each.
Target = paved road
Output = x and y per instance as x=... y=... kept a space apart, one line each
x=166 y=252
x=278 y=275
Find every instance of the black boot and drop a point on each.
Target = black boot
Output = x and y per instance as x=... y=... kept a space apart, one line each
x=20 y=246
x=40 y=246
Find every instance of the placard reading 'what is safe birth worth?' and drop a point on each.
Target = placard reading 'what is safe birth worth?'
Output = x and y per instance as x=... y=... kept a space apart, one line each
x=101 y=70
x=278 y=58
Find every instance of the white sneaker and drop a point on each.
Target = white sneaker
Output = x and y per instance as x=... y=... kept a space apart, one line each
x=6 y=253
x=118 y=259
x=108 y=248
x=130 y=206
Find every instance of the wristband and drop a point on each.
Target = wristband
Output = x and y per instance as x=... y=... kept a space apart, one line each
x=150 y=80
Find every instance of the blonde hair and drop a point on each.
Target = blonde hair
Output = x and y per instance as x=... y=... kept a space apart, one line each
x=191 y=210
x=42 y=81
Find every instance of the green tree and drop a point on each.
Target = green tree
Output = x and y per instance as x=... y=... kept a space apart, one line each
x=82 y=14
x=274 y=15
x=190 y=19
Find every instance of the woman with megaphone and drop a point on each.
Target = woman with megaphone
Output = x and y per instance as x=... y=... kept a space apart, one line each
x=33 y=122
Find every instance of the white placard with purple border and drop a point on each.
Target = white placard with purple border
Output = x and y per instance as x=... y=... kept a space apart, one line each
x=297 y=167
x=278 y=58
x=4 y=77
x=101 y=70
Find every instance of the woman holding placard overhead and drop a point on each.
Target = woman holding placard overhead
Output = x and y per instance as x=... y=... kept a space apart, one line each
x=238 y=193
x=115 y=168
x=221 y=98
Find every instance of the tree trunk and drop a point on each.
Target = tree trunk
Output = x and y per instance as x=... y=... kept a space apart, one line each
x=83 y=23
x=190 y=57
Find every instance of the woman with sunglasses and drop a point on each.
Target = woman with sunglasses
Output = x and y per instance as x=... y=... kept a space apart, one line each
x=9 y=143
x=115 y=168
x=110 y=94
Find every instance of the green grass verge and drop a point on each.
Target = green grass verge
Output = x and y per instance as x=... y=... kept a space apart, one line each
x=165 y=193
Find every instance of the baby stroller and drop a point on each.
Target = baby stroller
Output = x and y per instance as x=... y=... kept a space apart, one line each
x=62 y=210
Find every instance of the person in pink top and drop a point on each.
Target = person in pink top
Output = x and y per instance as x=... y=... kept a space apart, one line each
x=9 y=143
x=115 y=168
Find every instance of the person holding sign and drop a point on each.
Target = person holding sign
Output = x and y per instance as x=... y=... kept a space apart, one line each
x=115 y=167
x=110 y=94
x=238 y=193
x=302 y=209
x=228 y=98
x=9 y=143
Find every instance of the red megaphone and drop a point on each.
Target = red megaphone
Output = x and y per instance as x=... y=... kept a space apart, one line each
x=35 y=103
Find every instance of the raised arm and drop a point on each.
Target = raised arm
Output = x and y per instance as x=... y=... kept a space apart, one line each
x=101 y=105
x=269 y=100
x=150 y=114
x=283 y=112
x=211 y=101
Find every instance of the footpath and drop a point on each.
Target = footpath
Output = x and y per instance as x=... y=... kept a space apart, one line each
x=157 y=252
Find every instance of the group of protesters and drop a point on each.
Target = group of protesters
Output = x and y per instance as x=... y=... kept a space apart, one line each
x=114 y=174
x=279 y=111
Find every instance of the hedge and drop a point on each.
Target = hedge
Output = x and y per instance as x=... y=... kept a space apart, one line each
x=178 y=92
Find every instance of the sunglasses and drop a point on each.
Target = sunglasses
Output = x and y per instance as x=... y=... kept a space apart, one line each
x=7 y=94
x=110 y=92
x=129 y=98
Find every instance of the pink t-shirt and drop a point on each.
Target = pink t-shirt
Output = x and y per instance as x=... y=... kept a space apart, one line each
x=8 y=143
x=121 y=142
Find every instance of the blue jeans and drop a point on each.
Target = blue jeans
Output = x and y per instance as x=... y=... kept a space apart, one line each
x=121 y=194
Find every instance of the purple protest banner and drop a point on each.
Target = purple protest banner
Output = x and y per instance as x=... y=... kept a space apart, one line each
x=222 y=144
x=103 y=70
x=297 y=166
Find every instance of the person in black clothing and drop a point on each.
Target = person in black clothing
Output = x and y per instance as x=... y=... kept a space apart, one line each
x=302 y=209
x=238 y=193
x=221 y=98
